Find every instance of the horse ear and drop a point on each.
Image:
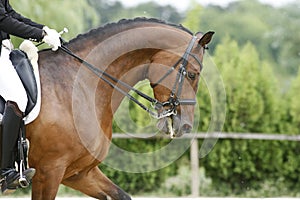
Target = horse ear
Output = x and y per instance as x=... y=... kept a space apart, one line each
x=206 y=38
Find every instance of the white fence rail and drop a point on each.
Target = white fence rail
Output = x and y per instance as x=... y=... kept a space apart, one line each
x=194 y=152
x=195 y=183
x=245 y=136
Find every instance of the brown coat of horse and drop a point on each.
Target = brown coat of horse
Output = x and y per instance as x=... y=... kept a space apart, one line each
x=72 y=134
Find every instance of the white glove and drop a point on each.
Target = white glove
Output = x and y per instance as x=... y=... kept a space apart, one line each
x=52 y=38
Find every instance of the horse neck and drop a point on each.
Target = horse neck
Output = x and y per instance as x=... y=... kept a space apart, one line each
x=130 y=69
x=126 y=56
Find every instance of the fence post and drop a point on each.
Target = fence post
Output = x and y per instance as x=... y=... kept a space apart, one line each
x=195 y=179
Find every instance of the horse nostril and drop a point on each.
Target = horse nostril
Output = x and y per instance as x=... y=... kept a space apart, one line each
x=186 y=128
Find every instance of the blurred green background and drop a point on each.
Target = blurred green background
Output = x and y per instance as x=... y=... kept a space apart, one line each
x=257 y=50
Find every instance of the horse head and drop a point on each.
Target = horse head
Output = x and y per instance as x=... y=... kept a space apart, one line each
x=176 y=82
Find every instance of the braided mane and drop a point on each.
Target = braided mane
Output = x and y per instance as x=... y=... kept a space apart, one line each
x=123 y=24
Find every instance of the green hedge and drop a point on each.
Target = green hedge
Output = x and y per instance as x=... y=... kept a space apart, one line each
x=254 y=103
x=137 y=183
x=237 y=166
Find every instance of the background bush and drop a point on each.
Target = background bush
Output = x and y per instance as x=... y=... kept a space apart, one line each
x=256 y=50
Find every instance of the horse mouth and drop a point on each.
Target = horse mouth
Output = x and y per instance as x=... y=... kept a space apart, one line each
x=174 y=126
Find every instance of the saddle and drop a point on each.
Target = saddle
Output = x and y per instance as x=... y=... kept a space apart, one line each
x=24 y=69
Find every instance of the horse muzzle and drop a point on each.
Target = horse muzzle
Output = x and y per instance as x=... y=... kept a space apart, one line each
x=174 y=125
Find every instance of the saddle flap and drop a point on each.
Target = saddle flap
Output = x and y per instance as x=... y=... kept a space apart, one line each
x=24 y=69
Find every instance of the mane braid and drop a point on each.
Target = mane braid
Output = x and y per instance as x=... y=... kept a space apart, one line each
x=125 y=22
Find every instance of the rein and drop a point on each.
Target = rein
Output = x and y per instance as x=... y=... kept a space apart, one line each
x=173 y=101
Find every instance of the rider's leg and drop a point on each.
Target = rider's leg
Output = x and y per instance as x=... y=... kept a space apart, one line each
x=14 y=93
x=11 y=122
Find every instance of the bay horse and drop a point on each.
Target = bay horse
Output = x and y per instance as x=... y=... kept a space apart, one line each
x=73 y=131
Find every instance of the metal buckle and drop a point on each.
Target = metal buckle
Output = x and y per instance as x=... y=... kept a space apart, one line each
x=23 y=182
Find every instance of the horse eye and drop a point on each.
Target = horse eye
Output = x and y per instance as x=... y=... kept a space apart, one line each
x=191 y=75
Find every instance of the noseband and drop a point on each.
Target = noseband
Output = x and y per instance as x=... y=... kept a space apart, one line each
x=163 y=109
x=174 y=100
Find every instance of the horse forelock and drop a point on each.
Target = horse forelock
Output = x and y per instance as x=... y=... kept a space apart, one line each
x=124 y=24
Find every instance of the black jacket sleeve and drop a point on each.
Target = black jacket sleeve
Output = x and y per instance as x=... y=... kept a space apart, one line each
x=19 y=17
x=13 y=23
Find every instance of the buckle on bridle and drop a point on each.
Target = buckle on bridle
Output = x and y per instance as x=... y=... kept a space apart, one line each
x=161 y=111
x=172 y=103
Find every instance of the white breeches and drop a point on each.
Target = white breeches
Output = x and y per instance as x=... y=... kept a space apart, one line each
x=11 y=87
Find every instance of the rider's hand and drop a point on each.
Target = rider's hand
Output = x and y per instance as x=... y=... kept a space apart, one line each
x=52 y=38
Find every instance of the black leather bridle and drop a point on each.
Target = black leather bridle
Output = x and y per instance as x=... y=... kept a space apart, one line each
x=163 y=109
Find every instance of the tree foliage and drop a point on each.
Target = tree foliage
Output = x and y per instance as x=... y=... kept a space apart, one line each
x=193 y=17
x=293 y=106
x=256 y=50
x=271 y=30
x=77 y=17
x=252 y=106
x=114 y=11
